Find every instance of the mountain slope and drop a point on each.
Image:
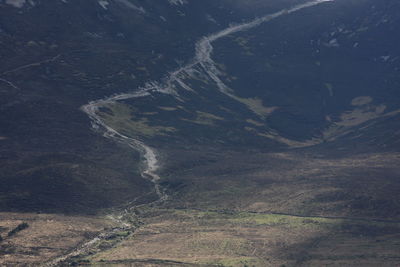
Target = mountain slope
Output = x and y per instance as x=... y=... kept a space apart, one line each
x=204 y=126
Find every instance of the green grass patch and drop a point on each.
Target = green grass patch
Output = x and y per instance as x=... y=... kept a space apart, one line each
x=122 y=118
x=258 y=219
x=237 y=262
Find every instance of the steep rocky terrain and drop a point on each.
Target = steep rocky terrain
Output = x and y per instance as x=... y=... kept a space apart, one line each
x=58 y=56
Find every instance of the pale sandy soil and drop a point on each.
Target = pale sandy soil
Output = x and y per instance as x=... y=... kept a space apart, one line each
x=47 y=236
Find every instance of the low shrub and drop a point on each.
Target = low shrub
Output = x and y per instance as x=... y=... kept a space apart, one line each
x=19 y=228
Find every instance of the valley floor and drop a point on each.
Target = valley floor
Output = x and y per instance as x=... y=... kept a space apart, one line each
x=46 y=236
x=229 y=238
x=233 y=208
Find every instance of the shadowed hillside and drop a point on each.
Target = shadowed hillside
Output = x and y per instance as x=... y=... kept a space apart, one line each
x=212 y=133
